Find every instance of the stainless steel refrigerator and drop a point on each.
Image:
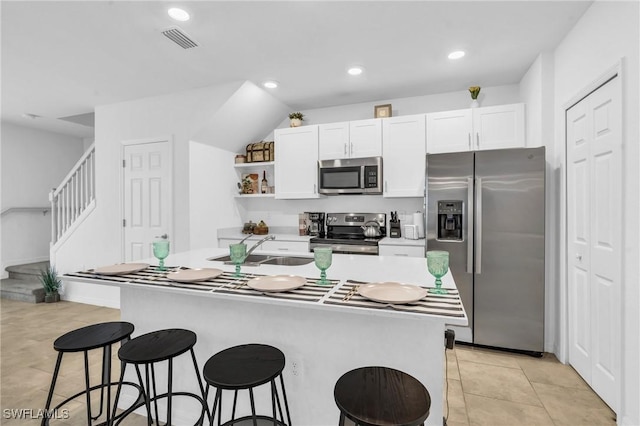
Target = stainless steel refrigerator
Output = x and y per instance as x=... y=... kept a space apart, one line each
x=487 y=209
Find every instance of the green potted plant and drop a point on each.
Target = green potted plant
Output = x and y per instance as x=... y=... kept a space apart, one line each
x=51 y=283
x=474 y=91
x=296 y=119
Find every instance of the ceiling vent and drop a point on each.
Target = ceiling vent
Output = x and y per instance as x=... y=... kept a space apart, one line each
x=179 y=37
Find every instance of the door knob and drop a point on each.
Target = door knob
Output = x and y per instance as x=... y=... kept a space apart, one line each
x=579 y=257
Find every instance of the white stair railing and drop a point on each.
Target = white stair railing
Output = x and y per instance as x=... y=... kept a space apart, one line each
x=73 y=196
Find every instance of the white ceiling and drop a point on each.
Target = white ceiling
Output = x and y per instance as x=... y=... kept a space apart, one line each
x=61 y=59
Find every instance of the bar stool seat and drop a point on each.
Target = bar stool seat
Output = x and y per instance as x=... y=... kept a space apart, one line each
x=245 y=367
x=381 y=396
x=95 y=336
x=154 y=347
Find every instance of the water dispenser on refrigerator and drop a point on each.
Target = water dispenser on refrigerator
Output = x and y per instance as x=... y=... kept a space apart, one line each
x=449 y=220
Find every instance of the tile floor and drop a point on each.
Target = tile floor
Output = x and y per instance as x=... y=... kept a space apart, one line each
x=485 y=387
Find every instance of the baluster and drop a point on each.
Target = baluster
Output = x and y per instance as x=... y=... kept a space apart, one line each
x=53 y=216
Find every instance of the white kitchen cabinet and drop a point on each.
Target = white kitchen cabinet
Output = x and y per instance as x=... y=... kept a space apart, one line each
x=296 y=167
x=476 y=129
x=401 y=250
x=403 y=153
x=350 y=139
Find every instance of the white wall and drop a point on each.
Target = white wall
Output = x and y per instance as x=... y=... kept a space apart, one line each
x=33 y=162
x=608 y=32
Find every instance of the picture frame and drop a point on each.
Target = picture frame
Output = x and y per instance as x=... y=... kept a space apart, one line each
x=382 y=111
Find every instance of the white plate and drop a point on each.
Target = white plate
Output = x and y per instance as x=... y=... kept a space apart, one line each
x=276 y=283
x=194 y=275
x=121 y=268
x=390 y=292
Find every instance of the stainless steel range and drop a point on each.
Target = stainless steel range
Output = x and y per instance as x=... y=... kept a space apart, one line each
x=353 y=233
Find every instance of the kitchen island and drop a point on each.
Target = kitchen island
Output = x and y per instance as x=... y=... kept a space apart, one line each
x=321 y=336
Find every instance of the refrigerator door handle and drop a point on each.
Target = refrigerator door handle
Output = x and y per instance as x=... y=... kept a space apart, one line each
x=469 y=225
x=478 y=226
x=469 y=134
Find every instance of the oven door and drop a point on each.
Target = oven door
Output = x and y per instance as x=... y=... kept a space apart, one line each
x=340 y=179
x=347 y=248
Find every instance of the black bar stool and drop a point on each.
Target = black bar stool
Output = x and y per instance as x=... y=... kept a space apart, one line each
x=245 y=367
x=375 y=396
x=150 y=348
x=84 y=339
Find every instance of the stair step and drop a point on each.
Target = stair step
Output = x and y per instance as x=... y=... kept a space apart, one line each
x=22 y=289
x=28 y=271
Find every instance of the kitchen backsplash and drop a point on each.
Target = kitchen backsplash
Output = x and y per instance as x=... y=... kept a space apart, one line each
x=285 y=212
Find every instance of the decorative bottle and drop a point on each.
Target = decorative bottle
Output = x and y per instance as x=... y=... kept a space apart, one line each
x=264 y=187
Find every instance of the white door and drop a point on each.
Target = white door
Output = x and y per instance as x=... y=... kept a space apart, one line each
x=334 y=141
x=147 y=197
x=498 y=127
x=404 y=156
x=449 y=131
x=594 y=241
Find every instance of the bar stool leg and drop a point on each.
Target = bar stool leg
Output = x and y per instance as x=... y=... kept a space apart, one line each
x=286 y=404
x=235 y=400
x=275 y=387
x=195 y=365
x=169 y=389
x=56 y=370
x=253 y=407
x=153 y=386
x=123 y=367
x=273 y=401
x=86 y=379
x=147 y=401
x=341 y=421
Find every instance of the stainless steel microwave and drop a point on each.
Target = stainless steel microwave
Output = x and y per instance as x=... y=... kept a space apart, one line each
x=350 y=176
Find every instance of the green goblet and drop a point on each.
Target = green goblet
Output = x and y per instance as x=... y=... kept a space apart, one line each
x=438 y=265
x=161 y=251
x=323 y=257
x=237 y=253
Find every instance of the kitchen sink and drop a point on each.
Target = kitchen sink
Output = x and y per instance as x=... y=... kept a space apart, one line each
x=259 y=259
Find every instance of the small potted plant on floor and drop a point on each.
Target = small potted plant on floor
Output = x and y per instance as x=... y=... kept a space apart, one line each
x=296 y=119
x=51 y=283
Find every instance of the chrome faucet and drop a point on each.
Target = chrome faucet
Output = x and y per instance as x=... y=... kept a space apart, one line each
x=256 y=245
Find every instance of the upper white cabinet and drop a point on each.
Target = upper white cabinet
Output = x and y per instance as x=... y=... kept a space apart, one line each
x=351 y=139
x=296 y=166
x=476 y=129
x=403 y=153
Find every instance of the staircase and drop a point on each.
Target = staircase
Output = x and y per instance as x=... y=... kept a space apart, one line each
x=23 y=283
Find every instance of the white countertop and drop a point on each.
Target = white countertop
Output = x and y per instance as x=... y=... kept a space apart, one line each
x=345 y=267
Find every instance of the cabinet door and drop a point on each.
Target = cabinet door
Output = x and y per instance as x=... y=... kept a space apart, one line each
x=365 y=137
x=403 y=152
x=285 y=246
x=334 y=141
x=296 y=165
x=499 y=127
x=449 y=131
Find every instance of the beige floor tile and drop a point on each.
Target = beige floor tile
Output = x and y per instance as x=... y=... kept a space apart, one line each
x=487 y=356
x=495 y=412
x=456 y=403
x=551 y=372
x=505 y=383
x=452 y=365
x=574 y=407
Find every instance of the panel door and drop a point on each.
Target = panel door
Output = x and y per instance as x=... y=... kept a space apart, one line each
x=334 y=141
x=449 y=131
x=296 y=165
x=365 y=137
x=147 y=197
x=595 y=205
x=498 y=127
x=403 y=151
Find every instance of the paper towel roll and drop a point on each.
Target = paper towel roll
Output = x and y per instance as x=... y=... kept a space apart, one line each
x=418 y=220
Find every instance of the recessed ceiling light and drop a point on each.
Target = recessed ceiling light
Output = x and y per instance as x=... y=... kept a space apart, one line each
x=178 y=14
x=357 y=70
x=456 y=55
x=271 y=84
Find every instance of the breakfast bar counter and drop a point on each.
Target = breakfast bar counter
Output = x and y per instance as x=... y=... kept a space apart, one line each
x=324 y=331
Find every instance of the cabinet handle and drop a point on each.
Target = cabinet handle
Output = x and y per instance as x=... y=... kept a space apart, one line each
x=283 y=248
x=314 y=189
x=350 y=149
x=386 y=189
x=345 y=148
x=402 y=254
x=469 y=134
x=478 y=140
